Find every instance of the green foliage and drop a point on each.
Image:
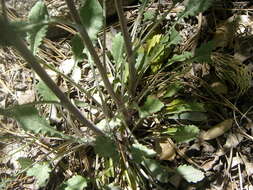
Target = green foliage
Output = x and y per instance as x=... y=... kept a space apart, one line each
x=109 y=125
x=40 y=172
x=76 y=182
x=190 y=174
x=5 y=37
x=149 y=15
x=180 y=106
x=106 y=147
x=30 y=120
x=151 y=105
x=184 y=133
x=195 y=7
x=37 y=15
x=159 y=172
x=140 y=152
x=91 y=14
x=160 y=45
x=172 y=90
x=118 y=50
x=191 y=116
x=77 y=47
x=179 y=58
x=45 y=92
x=203 y=53
x=25 y=162
x=156 y=53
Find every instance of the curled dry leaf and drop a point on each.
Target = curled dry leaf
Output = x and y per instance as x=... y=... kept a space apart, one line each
x=165 y=150
x=217 y=130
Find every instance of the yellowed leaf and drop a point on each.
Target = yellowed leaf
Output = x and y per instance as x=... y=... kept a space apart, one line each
x=153 y=42
x=217 y=130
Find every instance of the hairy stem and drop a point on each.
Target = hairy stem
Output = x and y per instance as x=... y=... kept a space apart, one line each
x=11 y=38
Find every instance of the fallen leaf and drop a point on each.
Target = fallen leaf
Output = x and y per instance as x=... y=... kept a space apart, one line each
x=233 y=140
x=217 y=130
x=165 y=150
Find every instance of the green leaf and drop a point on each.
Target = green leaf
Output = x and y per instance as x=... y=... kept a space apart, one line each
x=186 y=133
x=195 y=7
x=106 y=147
x=109 y=125
x=91 y=14
x=179 y=58
x=37 y=15
x=157 y=170
x=151 y=105
x=180 y=106
x=172 y=90
x=77 y=47
x=25 y=162
x=117 y=50
x=149 y=15
x=153 y=42
x=174 y=37
x=192 y=116
x=76 y=183
x=161 y=45
x=40 y=172
x=203 y=53
x=191 y=174
x=140 y=151
x=30 y=120
x=45 y=92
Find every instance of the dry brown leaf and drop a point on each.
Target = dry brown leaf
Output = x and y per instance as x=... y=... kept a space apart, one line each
x=233 y=140
x=217 y=130
x=208 y=165
x=165 y=150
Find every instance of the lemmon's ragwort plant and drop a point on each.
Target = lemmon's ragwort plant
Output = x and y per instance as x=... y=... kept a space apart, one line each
x=129 y=163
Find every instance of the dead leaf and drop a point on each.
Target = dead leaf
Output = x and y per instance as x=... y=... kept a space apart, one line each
x=165 y=150
x=217 y=130
x=209 y=164
x=233 y=140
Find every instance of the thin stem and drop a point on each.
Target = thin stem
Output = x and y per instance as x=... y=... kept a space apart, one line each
x=128 y=45
x=13 y=39
x=88 y=43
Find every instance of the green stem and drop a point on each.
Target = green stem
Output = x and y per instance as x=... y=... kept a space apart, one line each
x=88 y=44
x=128 y=45
x=10 y=37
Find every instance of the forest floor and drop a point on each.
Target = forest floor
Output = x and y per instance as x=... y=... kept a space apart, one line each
x=217 y=98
